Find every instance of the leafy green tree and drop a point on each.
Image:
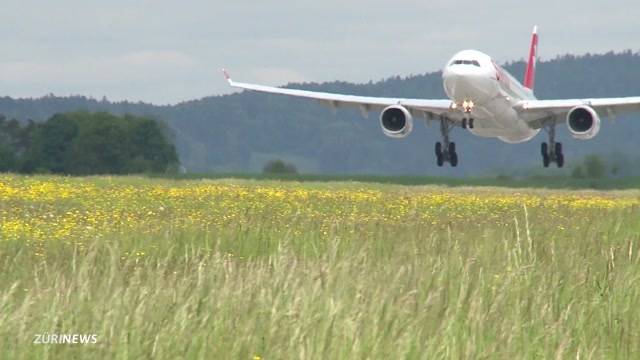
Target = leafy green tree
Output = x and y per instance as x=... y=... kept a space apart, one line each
x=12 y=144
x=103 y=146
x=594 y=167
x=152 y=150
x=577 y=172
x=8 y=159
x=85 y=143
x=51 y=142
x=279 y=167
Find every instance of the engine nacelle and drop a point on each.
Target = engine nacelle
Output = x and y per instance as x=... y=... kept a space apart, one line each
x=396 y=121
x=583 y=122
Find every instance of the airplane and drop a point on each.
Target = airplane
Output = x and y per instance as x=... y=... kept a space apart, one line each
x=484 y=99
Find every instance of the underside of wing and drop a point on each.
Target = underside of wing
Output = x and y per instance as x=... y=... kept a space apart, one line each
x=418 y=107
x=536 y=111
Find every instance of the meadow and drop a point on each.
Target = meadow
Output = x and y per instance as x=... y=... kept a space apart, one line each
x=248 y=269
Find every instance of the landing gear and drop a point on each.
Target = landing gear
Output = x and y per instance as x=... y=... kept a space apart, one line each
x=545 y=154
x=445 y=150
x=453 y=156
x=467 y=123
x=552 y=151
x=559 y=155
x=449 y=154
x=439 y=154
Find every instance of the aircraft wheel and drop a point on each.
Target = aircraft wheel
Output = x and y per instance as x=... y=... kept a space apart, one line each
x=464 y=123
x=544 y=149
x=558 y=148
x=560 y=159
x=439 y=154
x=471 y=123
x=545 y=160
x=454 y=159
x=452 y=148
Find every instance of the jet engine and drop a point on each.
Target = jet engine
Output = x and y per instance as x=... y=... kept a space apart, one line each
x=396 y=121
x=583 y=122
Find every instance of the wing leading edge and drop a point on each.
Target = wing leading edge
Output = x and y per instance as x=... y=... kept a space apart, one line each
x=534 y=110
x=418 y=107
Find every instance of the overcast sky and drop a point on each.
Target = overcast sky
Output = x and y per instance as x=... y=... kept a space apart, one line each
x=164 y=51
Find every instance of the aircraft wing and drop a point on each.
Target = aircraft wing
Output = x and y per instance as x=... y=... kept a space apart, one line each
x=418 y=107
x=536 y=110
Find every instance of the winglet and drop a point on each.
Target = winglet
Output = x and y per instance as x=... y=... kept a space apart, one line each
x=226 y=76
x=530 y=73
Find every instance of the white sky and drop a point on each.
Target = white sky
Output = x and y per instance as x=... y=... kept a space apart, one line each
x=166 y=51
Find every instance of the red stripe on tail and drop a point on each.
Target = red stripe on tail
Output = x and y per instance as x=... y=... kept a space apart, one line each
x=530 y=73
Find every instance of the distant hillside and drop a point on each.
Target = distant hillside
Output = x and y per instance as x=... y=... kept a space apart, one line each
x=240 y=132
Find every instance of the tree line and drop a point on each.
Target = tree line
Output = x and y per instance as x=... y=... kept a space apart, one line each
x=83 y=143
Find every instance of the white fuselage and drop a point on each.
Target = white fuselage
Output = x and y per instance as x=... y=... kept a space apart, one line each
x=471 y=77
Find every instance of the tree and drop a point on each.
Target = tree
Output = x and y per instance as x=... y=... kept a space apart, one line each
x=103 y=146
x=50 y=144
x=85 y=143
x=279 y=167
x=149 y=141
x=594 y=167
x=8 y=159
x=577 y=172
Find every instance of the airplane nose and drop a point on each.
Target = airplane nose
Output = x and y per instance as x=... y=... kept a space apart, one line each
x=469 y=84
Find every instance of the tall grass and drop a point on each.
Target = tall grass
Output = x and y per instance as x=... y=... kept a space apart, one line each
x=372 y=291
x=556 y=181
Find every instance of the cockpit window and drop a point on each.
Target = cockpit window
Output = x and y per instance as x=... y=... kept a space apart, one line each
x=465 y=62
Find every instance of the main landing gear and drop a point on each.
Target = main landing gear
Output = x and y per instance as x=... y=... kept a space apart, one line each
x=446 y=153
x=552 y=151
x=446 y=150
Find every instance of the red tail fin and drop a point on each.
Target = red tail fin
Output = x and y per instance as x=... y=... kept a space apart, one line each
x=530 y=74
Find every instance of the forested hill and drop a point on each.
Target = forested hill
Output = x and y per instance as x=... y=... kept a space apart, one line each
x=240 y=132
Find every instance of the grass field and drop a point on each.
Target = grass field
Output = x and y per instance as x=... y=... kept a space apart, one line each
x=245 y=269
x=550 y=180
